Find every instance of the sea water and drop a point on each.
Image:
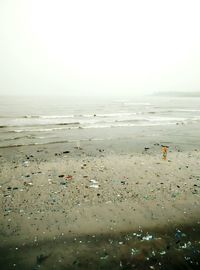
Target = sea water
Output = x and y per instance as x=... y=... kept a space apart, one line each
x=38 y=120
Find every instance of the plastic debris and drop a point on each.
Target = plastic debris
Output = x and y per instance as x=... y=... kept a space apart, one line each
x=147 y=237
x=186 y=245
x=94 y=186
x=41 y=258
x=104 y=257
x=64 y=183
x=28 y=184
x=69 y=177
x=179 y=234
x=134 y=251
x=25 y=163
x=137 y=234
x=94 y=183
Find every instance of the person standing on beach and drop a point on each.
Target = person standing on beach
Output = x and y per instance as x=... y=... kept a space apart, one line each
x=164 y=151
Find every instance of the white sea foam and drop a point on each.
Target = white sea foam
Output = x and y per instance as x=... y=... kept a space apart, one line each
x=56 y=116
x=137 y=104
x=186 y=110
x=43 y=129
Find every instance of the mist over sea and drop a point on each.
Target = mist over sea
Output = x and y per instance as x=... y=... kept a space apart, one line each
x=39 y=120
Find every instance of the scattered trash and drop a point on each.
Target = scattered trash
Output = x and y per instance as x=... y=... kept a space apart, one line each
x=147 y=237
x=120 y=189
x=28 y=184
x=50 y=181
x=105 y=257
x=134 y=251
x=94 y=186
x=93 y=181
x=69 y=177
x=26 y=163
x=137 y=234
x=64 y=183
x=41 y=258
x=186 y=245
x=179 y=235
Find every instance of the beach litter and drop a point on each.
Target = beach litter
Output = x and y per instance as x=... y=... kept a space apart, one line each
x=64 y=183
x=135 y=251
x=66 y=152
x=186 y=245
x=25 y=163
x=147 y=237
x=69 y=177
x=50 y=181
x=40 y=259
x=93 y=181
x=105 y=256
x=28 y=184
x=94 y=184
x=179 y=234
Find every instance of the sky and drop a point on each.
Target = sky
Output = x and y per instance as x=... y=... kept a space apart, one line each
x=105 y=47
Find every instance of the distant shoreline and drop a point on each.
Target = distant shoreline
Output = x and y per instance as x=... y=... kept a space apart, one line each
x=177 y=94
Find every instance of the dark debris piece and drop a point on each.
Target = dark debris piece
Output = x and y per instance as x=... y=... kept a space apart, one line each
x=41 y=258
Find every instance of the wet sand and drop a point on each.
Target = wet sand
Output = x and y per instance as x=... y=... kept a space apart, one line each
x=170 y=248
x=52 y=195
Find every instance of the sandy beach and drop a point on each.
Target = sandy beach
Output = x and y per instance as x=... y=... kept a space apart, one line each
x=59 y=191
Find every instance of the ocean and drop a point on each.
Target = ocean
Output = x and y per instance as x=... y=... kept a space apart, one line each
x=40 y=120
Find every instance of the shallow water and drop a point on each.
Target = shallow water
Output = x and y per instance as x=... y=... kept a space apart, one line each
x=36 y=120
x=175 y=248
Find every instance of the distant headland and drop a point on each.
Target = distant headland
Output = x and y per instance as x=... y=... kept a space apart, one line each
x=177 y=94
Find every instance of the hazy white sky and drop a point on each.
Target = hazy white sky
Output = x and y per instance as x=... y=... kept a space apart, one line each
x=105 y=46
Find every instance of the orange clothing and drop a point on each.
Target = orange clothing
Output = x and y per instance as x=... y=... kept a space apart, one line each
x=164 y=151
